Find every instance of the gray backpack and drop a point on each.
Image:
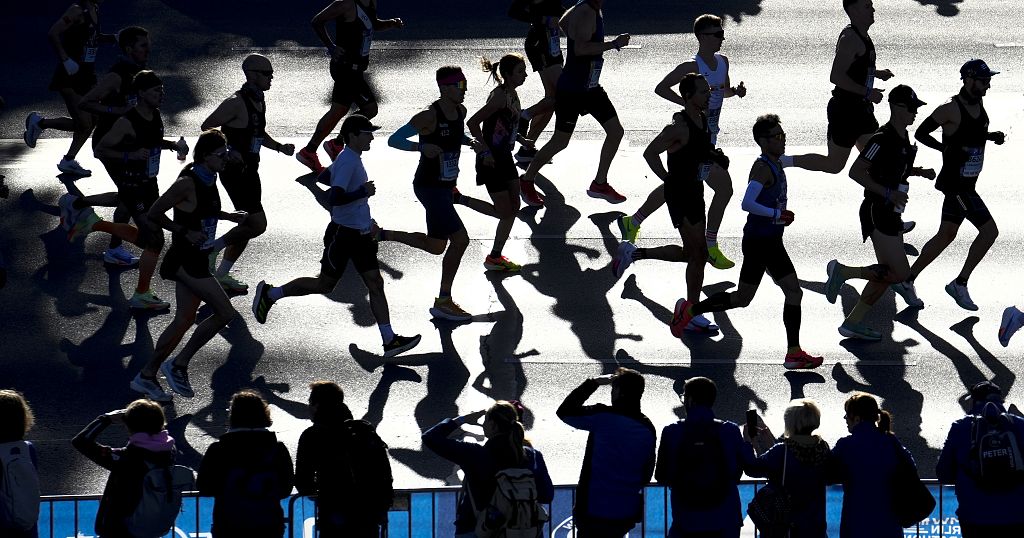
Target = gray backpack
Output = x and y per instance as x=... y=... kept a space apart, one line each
x=19 y=487
x=160 y=503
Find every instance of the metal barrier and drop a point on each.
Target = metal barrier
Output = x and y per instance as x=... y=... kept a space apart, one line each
x=429 y=513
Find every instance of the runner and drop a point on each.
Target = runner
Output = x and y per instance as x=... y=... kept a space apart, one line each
x=349 y=236
x=710 y=35
x=882 y=169
x=242 y=119
x=578 y=93
x=965 y=132
x=851 y=117
x=690 y=153
x=75 y=37
x=544 y=50
x=441 y=129
x=132 y=147
x=197 y=209
x=355 y=22
x=110 y=99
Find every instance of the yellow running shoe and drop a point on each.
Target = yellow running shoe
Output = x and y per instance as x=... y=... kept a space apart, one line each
x=718 y=260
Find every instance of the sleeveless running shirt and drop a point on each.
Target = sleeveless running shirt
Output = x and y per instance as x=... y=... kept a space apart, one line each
x=541 y=34
x=690 y=163
x=716 y=79
x=774 y=196
x=79 y=41
x=149 y=134
x=249 y=139
x=203 y=218
x=441 y=171
x=862 y=69
x=583 y=72
x=965 y=150
x=354 y=37
x=124 y=96
x=500 y=128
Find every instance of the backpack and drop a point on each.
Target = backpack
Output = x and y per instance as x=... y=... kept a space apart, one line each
x=995 y=457
x=160 y=503
x=513 y=511
x=366 y=468
x=702 y=478
x=250 y=488
x=19 y=487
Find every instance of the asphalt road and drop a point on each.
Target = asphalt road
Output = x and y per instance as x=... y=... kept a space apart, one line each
x=71 y=345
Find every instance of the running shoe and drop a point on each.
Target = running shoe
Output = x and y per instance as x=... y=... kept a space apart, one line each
x=701 y=325
x=681 y=317
x=629 y=230
x=71 y=166
x=528 y=192
x=623 y=258
x=400 y=344
x=83 y=223
x=606 y=192
x=32 y=129
x=501 y=263
x=909 y=294
x=718 y=260
x=310 y=160
x=177 y=378
x=120 y=256
x=150 y=387
x=1012 y=321
x=67 y=211
x=857 y=330
x=834 y=283
x=525 y=154
x=801 y=360
x=232 y=284
x=908 y=226
x=147 y=301
x=262 y=302
x=446 y=308
x=960 y=295
x=333 y=148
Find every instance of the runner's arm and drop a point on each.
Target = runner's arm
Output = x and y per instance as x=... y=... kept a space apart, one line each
x=573 y=410
x=178 y=192
x=846 y=52
x=860 y=171
x=669 y=135
x=581 y=25
x=941 y=117
x=495 y=102
x=422 y=123
x=666 y=89
x=333 y=11
x=71 y=17
x=270 y=143
x=108 y=146
x=229 y=110
x=106 y=87
x=341 y=177
x=85 y=442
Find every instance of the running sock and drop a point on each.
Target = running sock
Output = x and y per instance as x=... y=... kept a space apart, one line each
x=718 y=302
x=962 y=281
x=225 y=266
x=444 y=294
x=386 y=333
x=859 y=311
x=791 y=319
x=638 y=217
x=276 y=293
x=786 y=160
x=711 y=237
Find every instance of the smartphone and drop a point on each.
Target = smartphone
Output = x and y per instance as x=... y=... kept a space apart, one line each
x=753 y=422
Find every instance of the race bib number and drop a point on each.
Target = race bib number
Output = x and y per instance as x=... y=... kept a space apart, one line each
x=594 y=80
x=257 y=143
x=89 y=56
x=704 y=171
x=713 y=115
x=975 y=159
x=554 y=44
x=450 y=166
x=153 y=163
x=210 y=229
x=132 y=101
x=870 y=82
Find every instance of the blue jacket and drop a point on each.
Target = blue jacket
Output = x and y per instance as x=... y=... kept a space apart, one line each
x=619 y=458
x=806 y=461
x=977 y=506
x=864 y=462
x=738 y=456
x=479 y=466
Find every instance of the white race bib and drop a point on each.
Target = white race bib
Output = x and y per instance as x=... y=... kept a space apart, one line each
x=89 y=56
x=210 y=229
x=713 y=115
x=975 y=159
x=554 y=44
x=153 y=163
x=450 y=166
x=595 y=73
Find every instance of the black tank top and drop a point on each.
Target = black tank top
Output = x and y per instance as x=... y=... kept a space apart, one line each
x=149 y=134
x=442 y=171
x=690 y=163
x=79 y=41
x=203 y=218
x=124 y=96
x=583 y=72
x=965 y=150
x=354 y=37
x=249 y=139
x=774 y=196
x=540 y=34
x=862 y=69
x=500 y=128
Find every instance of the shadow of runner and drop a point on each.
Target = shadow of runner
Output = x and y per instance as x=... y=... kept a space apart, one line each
x=946 y=8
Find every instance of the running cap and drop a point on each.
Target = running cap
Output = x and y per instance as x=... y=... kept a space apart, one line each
x=976 y=69
x=357 y=123
x=905 y=95
x=986 y=391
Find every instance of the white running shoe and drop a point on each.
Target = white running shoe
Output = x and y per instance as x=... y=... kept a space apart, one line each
x=32 y=129
x=150 y=387
x=909 y=294
x=120 y=256
x=623 y=258
x=1013 y=320
x=71 y=166
x=960 y=295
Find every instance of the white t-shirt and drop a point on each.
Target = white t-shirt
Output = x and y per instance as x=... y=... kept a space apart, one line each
x=348 y=173
x=716 y=79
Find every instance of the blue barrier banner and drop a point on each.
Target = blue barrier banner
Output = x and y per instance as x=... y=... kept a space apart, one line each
x=431 y=513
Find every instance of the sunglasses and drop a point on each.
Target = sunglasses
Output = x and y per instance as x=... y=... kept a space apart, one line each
x=719 y=34
x=462 y=85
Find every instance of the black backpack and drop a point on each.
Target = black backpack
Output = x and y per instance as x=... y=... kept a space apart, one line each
x=366 y=467
x=995 y=457
x=702 y=478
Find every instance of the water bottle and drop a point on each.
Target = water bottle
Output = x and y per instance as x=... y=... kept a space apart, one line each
x=903 y=187
x=181 y=144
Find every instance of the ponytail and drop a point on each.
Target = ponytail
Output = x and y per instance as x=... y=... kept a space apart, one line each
x=510 y=437
x=491 y=68
x=885 y=422
x=501 y=71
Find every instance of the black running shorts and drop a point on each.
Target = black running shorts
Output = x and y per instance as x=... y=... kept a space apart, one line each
x=539 y=55
x=342 y=244
x=195 y=262
x=849 y=118
x=350 y=86
x=80 y=83
x=498 y=178
x=879 y=216
x=243 y=186
x=442 y=219
x=764 y=253
x=569 y=106
x=685 y=200
x=137 y=195
x=965 y=204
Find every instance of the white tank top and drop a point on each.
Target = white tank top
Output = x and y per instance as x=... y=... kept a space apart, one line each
x=716 y=79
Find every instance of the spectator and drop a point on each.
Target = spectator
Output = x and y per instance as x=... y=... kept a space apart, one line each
x=149 y=445
x=806 y=458
x=19 y=506
x=506 y=447
x=247 y=472
x=344 y=463
x=984 y=509
x=619 y=458
x=865 y=463
x=702 y=459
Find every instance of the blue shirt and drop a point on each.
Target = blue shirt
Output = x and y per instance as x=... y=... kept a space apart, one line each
x=864 y=462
